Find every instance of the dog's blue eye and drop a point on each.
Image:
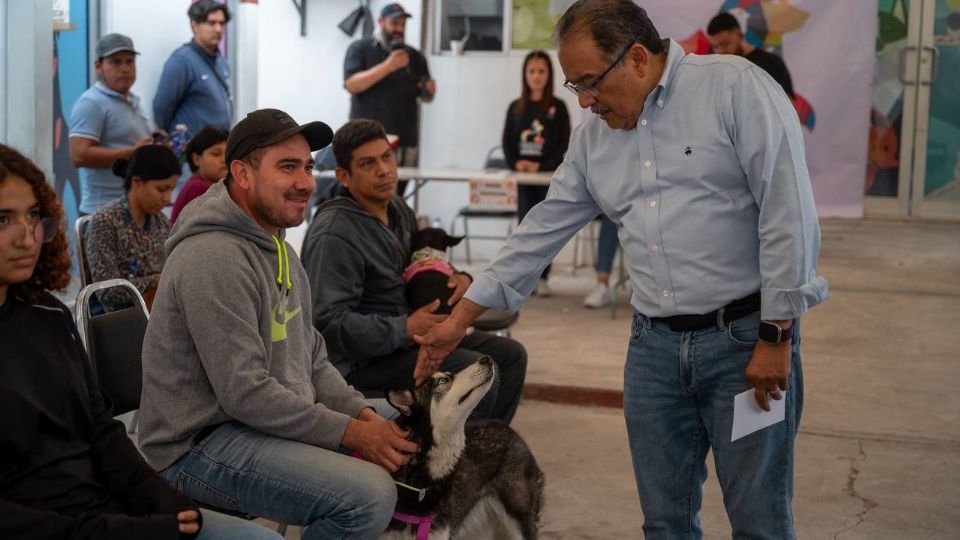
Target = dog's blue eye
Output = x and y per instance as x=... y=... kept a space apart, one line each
x=443 y=380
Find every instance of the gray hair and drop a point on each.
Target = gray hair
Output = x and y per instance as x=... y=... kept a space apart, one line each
x=613 y=25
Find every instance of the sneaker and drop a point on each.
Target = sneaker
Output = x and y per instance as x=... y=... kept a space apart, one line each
x=543 y=289
x=598 y=297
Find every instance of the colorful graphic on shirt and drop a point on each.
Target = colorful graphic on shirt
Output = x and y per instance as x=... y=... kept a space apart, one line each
x=531 y=139
x=765 y=22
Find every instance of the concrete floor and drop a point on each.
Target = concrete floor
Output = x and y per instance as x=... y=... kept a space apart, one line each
x=878 y=455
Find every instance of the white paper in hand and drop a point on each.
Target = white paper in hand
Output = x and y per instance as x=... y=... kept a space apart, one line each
x=749 y=417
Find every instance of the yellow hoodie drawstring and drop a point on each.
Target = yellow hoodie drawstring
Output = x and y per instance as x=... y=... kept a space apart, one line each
x=286 y=261
x=282 y=252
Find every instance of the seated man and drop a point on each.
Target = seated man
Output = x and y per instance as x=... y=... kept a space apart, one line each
x=355 y=252
x=241 y=408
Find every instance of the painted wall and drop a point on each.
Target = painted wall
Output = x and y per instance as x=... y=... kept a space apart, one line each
x=304 y=75
x=156 y=28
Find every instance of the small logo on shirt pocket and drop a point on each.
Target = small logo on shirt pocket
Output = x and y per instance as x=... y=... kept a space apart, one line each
x=688 y=150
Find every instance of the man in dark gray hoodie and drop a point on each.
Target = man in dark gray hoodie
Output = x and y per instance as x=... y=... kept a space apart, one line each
x=355 y=252
x=241 y=408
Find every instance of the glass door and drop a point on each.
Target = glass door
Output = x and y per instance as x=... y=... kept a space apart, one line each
x=887 y=184
x=913 y=161
x=936 y=170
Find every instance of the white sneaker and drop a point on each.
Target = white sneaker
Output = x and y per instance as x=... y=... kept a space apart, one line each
x=598 y=297
x=543 y=289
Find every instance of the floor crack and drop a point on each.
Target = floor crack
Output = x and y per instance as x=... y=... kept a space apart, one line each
x=851 y=490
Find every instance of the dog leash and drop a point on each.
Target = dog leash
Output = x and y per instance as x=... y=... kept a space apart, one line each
x=423 y=523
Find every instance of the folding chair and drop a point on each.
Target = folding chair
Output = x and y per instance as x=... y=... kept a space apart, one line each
x=495 y=160
x=80 y=231
x=114 y=344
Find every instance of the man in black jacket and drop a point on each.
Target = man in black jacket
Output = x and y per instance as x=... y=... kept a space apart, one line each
x=355 y=252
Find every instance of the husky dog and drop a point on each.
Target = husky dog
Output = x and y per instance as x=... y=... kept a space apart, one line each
x=429 y=269
x=474 y=478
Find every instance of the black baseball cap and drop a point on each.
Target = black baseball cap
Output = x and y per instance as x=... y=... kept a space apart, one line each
x=265 y=127
x=394 y=10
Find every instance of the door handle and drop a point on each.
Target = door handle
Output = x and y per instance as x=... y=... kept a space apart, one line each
x=903 y=64
x=935 y=68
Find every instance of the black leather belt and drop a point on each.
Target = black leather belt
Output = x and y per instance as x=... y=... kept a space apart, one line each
x=731 y=312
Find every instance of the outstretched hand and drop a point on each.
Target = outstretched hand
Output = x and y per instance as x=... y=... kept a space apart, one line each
x=435 y=345
x=459 y=283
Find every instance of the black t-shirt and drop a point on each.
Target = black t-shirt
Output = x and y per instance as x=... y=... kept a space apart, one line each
x=773 y=65
x=67 y=468
x=536 y=134
x=393 y=100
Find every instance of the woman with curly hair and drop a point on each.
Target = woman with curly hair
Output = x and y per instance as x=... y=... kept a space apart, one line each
x=67 y=468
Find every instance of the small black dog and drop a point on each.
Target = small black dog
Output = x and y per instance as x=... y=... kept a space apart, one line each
x=429 y=269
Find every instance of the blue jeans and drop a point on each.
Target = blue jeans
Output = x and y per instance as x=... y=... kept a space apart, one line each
x=218 y=526
x=607 y=245
x=678 y=402
x=241 y=469
x=527 y=198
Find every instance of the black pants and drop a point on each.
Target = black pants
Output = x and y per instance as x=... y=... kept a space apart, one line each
x=396 y=371
x=527 y=198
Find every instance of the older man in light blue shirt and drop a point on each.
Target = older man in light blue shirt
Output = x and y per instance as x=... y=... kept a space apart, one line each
x=699 y=160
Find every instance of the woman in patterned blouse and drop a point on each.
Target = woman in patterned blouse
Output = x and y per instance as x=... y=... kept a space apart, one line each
x=125 y=238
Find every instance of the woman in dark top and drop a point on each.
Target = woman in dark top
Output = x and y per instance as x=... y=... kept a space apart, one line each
x=536 y=135
x=125 y=238
x=67 y=468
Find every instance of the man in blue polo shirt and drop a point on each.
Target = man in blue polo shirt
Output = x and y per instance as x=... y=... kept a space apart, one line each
x=194 y=88
x=106 y=123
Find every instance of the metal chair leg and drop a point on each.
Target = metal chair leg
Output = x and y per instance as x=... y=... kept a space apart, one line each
x=466 y=238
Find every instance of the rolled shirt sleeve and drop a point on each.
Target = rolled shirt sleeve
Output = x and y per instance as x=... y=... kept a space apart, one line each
x=769 y=147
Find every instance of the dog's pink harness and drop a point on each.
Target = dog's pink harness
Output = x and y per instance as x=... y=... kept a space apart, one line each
x=426 y=259
x=423 y=523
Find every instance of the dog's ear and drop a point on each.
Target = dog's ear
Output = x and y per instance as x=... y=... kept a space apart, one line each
x=451 y=241
x=401 y=400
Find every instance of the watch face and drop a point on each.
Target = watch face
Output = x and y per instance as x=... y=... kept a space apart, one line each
x=769 y=332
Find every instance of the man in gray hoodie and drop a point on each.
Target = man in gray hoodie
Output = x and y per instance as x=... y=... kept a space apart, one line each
x=241 y=408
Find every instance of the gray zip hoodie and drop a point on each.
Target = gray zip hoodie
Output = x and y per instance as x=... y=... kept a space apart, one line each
x=230 y=339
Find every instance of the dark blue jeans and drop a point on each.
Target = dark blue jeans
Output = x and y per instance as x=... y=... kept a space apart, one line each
x=678 y=402
x=527 y=198
x=607 y=245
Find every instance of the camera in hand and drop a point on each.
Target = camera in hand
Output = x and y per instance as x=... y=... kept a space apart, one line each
x=399 y=45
